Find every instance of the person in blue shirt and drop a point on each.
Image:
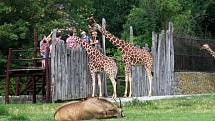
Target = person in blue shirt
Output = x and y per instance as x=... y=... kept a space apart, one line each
x=85 y=38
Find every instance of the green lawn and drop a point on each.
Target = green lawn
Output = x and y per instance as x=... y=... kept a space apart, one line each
x=195 y=108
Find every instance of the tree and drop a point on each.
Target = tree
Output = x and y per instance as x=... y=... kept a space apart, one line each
x=204 y=17
x=152 y=15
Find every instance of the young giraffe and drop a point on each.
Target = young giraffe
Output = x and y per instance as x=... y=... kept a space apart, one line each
x=131 y=55
x=100 y=63
x=210 y=51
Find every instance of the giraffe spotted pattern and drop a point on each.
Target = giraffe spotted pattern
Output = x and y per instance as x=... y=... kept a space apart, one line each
x=99 y=62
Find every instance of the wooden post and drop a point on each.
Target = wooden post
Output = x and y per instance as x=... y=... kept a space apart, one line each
x=17 y=85
x=131 y=34
x=103 y=36
x=155 y=62
x=160 y=64
x=53 y=69
x=7 y=86
x=104 y=52
x=171 y=29
x=35 y=48
x=48 y=81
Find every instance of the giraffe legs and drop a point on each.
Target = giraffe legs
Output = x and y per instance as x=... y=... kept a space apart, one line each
x=128 y=80
x=100 y=85
x=149 y=74
x=93 y=74
x=114 y=87
x=126 y=85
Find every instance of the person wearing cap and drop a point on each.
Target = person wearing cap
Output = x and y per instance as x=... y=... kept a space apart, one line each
x=85 y=38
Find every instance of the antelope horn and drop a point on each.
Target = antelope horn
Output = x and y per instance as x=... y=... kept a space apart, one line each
x=120 y=103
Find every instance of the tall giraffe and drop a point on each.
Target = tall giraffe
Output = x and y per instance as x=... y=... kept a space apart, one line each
x=131 y=55
x=210 y=51
x=100 y=63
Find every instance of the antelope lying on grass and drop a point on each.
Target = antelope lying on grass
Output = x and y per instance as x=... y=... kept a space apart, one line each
x=91 y=108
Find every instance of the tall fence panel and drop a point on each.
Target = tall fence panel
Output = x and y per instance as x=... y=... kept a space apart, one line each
x=163 y=66
x=70 y=74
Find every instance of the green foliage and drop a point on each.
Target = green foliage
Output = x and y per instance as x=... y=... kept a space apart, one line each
x=190 y=18
x=151 y=15
x=114 y=12
x=19 y=18
x=204 y=17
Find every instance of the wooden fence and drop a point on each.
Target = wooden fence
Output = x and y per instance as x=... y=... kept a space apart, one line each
x=163 y=66
x=70 y=74
x=71 y=78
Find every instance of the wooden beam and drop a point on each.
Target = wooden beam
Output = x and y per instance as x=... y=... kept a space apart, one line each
x=17 y=85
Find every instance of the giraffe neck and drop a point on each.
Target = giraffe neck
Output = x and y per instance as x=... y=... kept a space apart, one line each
x=120 y=44
x=211 y=52
x=91 y=51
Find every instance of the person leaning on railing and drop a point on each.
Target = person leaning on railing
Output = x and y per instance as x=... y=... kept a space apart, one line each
x=71 y=42
x=44 y=43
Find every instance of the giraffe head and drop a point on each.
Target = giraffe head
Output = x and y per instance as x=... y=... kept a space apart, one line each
x=93 y=26
x=205 y=46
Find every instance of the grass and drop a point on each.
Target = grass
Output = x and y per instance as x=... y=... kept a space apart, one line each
x=194 y=108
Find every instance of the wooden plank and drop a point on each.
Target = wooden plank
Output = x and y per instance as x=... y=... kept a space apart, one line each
x=64 y=67
x=171 y=54
x=155 y=63
x=53 y=66
x=133 y=75
x=145 y=82
x=72 y=74
x=167 y=65
x=59 y=70
x=160 y=63
x=68 y=72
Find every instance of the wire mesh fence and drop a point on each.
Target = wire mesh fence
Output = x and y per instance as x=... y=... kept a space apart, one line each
x=189 y=56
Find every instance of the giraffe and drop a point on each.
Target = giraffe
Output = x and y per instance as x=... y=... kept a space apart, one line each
x=210 y=51
x=131 y=55
x=98 y=62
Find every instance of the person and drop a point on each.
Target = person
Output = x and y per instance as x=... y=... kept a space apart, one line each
x=95 y=41
x=58 y=38
x=146 y=47
x=44 y=43
x=70 y=41
x=58 y=41
x=85 y=38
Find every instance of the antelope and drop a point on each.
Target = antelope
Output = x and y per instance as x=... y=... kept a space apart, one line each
x=91 y=108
